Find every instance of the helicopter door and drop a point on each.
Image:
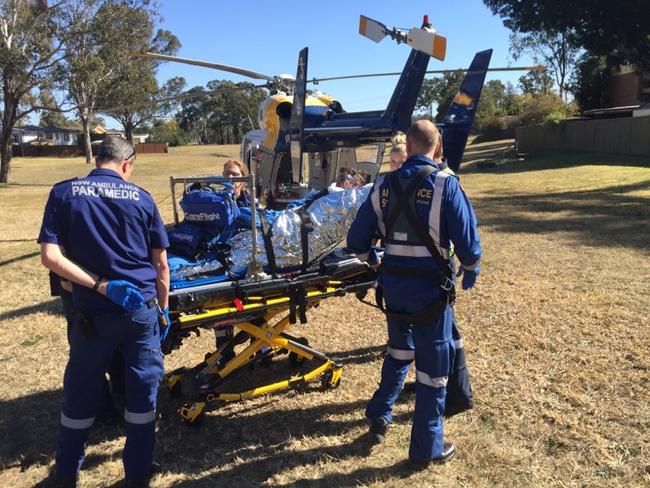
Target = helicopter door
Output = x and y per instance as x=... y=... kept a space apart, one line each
x=320 y=167
x=373 y=160
x=367 y=158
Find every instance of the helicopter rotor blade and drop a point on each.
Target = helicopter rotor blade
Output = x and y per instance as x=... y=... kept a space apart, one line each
x=435 y=71
x=181 y=96
x=372 y=29
x=205 y=64
x=428 y=42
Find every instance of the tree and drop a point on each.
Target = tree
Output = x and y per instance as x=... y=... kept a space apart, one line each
x=511 y=100
x=556 y=49
x=430 y=94
x=616 y=30
x=30 y=48
x=590 y=81
x=221 y=113
x=194 y=115
x=168 y=131
x=50 y=115
x=132 y=99
x=441 y=91
x=102 y=34
x=233 y=107
x=536 y=82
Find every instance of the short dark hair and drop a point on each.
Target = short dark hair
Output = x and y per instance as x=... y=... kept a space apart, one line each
x=424 y=135
x=114 y=149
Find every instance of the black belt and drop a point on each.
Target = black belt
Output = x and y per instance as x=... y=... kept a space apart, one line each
x=427 y=315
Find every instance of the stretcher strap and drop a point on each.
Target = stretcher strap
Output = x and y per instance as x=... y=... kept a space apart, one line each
x=306 y=226
x=267 y=234
x=297 y=303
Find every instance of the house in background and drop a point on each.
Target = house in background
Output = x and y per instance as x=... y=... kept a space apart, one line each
x=49 y=136
x=630 y=88
x=99 y=132
x=140 y=138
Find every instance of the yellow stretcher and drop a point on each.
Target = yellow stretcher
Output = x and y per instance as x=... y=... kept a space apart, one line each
x=261 y=311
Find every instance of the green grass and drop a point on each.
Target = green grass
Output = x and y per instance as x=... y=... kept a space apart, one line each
x=556 y=332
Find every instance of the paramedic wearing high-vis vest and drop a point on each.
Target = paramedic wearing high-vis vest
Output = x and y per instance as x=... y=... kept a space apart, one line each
x=418 y=211
x=115 y=256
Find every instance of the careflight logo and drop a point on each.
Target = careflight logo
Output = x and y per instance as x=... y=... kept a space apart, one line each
x=202 y=217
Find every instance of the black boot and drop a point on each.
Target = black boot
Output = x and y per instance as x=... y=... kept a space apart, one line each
x=448 y=453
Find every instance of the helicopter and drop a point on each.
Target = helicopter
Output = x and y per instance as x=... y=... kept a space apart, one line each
x=305 y=136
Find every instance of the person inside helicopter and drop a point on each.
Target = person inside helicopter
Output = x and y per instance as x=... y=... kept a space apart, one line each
x=236 y=169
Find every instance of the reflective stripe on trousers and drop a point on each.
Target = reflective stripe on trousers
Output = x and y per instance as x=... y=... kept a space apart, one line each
x=76 y=423
x=425 y=379
x=402 y=354
x=139 y=418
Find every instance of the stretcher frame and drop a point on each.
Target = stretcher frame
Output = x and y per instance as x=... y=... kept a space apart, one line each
x=251 y=307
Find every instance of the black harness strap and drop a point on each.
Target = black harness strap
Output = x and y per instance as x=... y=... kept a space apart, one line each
x=424 y=316
x=267 y=234
x=306 y=226
x=403 y=206
x=437 y=276
x=393 y=180
x=441 y=276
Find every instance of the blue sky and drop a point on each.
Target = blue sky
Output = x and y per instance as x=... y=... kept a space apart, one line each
x=266 y=37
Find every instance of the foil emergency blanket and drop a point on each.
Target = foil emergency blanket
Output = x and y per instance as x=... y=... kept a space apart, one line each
x=331 y=217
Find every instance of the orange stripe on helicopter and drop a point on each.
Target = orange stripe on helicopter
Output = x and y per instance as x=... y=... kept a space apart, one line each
x=463 y=98
x=363 y=25
x=439 y=47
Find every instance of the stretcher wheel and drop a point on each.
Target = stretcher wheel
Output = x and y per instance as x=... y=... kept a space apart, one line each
x=331 y=379
x=296 y=359
x=176 y=390
x=174 y=385
x=192 y=413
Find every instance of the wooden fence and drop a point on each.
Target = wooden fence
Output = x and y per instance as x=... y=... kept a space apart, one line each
x=31 y=151
x=629 y=136
x=151 y=147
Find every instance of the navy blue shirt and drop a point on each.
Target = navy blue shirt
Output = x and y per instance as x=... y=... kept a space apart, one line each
x=109 y=227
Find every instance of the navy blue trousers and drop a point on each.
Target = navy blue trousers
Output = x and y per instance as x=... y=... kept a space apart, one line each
x=431 y=346
x=137 y=338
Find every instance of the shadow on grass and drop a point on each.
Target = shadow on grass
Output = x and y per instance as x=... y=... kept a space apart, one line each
x=29 y=426
x=600 y=217
x=260 y=446
x=51 y=306
x=19 y=258
x=359 y=477
x=361 y=355
x=546 y=161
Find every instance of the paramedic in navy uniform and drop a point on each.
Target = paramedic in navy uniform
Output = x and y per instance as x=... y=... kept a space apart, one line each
x=115 y=256
x=417 y=285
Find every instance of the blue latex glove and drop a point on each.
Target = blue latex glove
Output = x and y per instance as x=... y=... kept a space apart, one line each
x=125 y=294
x=165 y=323
x=469 y=278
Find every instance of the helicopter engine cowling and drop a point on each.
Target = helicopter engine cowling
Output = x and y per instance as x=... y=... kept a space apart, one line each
x=275 y=113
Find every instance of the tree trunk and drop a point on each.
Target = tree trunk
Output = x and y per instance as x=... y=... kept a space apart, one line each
x=88 y=148
x=5 y=162
x=128 y=131
x=8 y=122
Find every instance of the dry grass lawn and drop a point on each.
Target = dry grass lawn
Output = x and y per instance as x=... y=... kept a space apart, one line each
x=557 y=336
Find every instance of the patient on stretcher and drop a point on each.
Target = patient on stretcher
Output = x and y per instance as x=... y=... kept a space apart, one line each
x=215 y=239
